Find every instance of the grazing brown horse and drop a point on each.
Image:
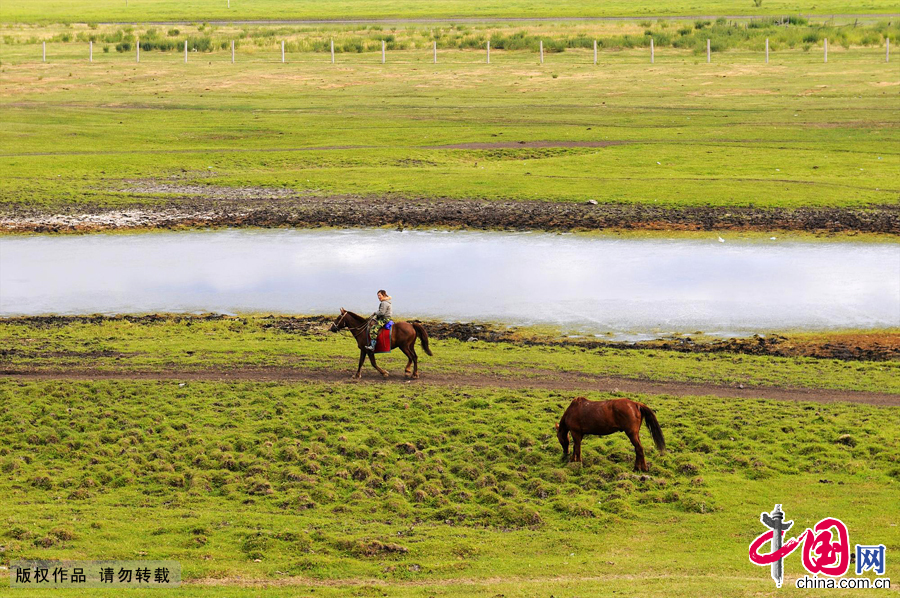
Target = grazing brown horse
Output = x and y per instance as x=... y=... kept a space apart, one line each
x=600 y=418
x=403 y=337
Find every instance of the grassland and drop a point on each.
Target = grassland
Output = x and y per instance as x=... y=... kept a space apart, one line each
x=342 y=489
x=437 y=488
x=691 y=33
x=794 y=133
x=42 y=11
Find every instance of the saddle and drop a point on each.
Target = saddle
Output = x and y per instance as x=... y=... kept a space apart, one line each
x=383 y=342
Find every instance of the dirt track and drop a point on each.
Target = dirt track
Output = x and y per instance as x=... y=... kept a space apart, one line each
x=544 y=380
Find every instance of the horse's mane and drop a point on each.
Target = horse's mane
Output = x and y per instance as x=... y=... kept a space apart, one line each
x=357 y=316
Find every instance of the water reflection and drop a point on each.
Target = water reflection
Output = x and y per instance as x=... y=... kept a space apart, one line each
x=583 y=283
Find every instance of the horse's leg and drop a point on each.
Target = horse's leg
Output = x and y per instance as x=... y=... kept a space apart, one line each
x=362 y=360
x=405 y=351
x=635 y=438
x=576 y=447
x=415 y=361
x=383 y=373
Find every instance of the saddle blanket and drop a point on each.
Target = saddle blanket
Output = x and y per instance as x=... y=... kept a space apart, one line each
x=383 y=343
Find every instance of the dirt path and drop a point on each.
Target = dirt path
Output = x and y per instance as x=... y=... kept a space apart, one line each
x=544 y=380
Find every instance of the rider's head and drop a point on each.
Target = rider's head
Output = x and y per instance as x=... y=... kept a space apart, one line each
x=382 y=295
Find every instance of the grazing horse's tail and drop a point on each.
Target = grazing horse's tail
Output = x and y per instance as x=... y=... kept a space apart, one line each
x=423 y=336
x=653 y=425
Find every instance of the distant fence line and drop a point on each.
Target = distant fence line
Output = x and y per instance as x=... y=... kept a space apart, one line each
x=887 y=51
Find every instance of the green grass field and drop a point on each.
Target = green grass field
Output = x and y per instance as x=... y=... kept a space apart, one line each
x=203 y=10
x=737 y=132
x=425 y=491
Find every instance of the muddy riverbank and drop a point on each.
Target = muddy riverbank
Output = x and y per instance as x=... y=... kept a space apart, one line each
x=245 y=208
x=845 y=346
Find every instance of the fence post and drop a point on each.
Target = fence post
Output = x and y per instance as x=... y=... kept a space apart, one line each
x=232 y=51
x=282 y=51
x=652 y=52
x=44 y=55
x=185 y=51
x=595 y=52
x=488 y=51
x=138 y=53
x=332 y=50
x=542 y=51
x=91 y=51
x=435 y=52
x=887 y=52
x=826 y=49
x=382 y=51
x=767 y=50
x=707 y=51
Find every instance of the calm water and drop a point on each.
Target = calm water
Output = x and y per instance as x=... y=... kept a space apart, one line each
x=630 y=287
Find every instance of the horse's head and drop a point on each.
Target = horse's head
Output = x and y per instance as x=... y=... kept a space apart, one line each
x=562 y=434
x=340 y=322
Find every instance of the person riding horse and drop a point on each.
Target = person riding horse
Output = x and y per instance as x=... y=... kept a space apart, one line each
x=381 y=317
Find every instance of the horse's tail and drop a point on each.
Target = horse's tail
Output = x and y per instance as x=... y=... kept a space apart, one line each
x=423 y=336
x=653 y=425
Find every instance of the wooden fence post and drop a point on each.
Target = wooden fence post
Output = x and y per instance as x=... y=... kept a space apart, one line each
x=44 y=55
x=542 y=51
x=91 y=51
x=185 y=51
x=887 y=51
x=332 y=50
x=138 y=53
x=595 y=52
x=652 y=52
x=232 y=51
x=435 y=52
x=282 y=51
x=707 y=51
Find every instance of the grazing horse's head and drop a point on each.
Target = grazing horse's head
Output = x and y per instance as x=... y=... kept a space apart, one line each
x=562 y=434
x=340 y=322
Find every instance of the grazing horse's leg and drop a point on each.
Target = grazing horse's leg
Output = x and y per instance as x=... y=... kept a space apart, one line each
x=634 y=435
x=576 y=447
x=362 y=360
x=375 y=365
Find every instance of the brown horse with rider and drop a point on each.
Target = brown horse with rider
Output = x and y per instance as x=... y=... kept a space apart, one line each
x=403 y=337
